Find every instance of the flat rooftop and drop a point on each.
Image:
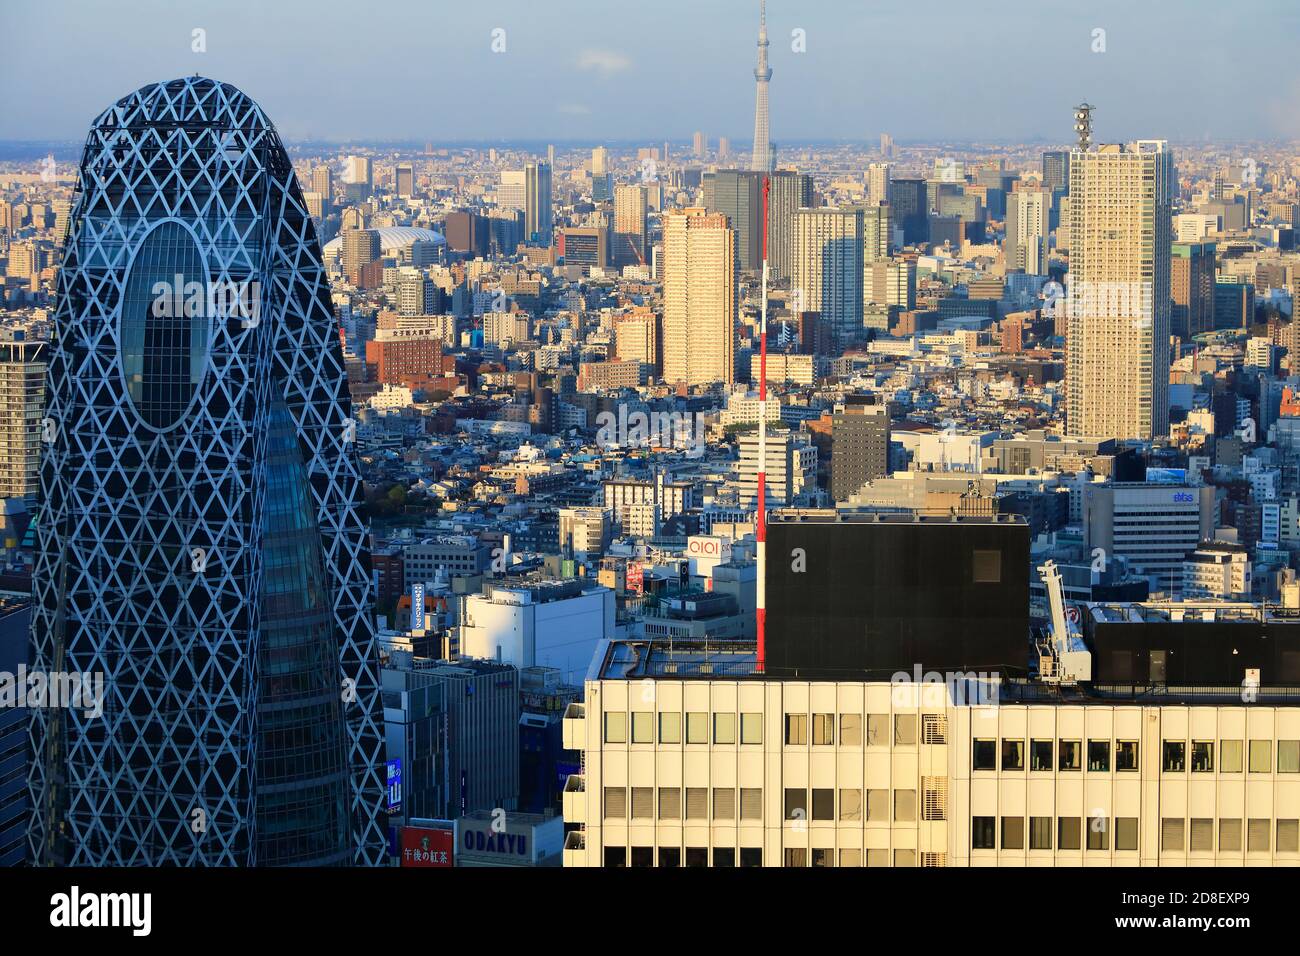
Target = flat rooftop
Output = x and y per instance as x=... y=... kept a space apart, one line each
x=832 y=516
x=694 y=659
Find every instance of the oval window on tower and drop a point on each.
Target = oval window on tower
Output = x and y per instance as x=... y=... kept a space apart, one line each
x=163 y=336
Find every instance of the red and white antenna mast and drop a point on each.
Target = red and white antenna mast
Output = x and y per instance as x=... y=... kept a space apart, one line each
x=761 y=594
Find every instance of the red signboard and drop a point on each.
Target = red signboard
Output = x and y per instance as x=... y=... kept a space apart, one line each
x=635 y=578
x=424 y=847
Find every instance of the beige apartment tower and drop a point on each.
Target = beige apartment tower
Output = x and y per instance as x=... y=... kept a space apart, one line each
x=631 y=204
x=699 y=290
x=1118 y=300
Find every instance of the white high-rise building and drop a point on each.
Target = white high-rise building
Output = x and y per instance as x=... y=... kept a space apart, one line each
x=1028 y=226
x=878 y=182
x=791 y=469
x=1118 y=300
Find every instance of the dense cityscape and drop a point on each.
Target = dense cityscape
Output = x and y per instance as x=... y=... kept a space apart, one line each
x=693 y=502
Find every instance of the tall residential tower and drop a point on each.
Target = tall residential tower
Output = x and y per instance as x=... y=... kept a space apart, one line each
x=1117 y=365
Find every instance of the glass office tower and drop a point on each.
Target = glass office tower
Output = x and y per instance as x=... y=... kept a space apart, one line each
x=200 y=541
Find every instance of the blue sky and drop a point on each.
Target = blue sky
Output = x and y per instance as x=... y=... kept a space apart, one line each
x=634 y=70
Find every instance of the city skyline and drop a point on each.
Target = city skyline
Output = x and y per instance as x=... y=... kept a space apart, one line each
x=1147 y=65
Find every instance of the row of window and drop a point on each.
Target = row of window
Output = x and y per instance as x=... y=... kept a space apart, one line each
x=728 y=856
x=823 y=728
x=1071 y=834
x=1047 y=755
x=797 y=804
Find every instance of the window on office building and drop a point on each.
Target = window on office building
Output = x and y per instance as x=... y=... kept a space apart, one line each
x=877 y=858
x=1175 y=756
x=751 y=728
x=1230 y=836
x=1201 y=834
x=1171 y=835
x=1040 y=754
x=904 y=858
x=823 y=730
x=850 y=857
x=984 y=755
x=823 y=804
x=751 y=856
x=796 y=729
x=642 y=803
x=697 y=856
x=670 y=857
x=1288 y=756
x=822 y=857
x=643 y=856
x=796 y=803
x=1013 y=755
x=616 y=856
x=904 y=806
x=1257 y=835
x=1126 y=755
x=877 y=806
x=1098 y=833
x=615 y=803
x=904 y=730
x=697 y=728
x=751 y=803
x=1069 y=755
x=1202 y=756
x=1230 y=756
x=1098 y=756
x=670 y=728
x=877 y=730
x=1067 y=833
x=643 y=727
x=1126 y=833
x=670 y=803
x=1261 y=756
x=615 y=727
x=724 y=803
x=1040 y=833
x=724 y=856
x=850 y=730
x=724 y=728
x=796 y=856
x=850 y=804
x=1013 y=833
x=1288 y=836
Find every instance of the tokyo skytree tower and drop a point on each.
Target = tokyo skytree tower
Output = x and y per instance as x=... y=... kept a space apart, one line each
x=762 y=159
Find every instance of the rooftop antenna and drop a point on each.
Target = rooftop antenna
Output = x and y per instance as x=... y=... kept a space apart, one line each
x=1083 y=124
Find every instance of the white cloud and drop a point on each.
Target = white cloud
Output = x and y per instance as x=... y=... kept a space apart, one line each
x=607 y=62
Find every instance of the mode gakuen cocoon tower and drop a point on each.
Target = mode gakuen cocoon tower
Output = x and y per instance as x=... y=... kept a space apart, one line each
x=200 y=537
